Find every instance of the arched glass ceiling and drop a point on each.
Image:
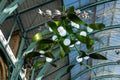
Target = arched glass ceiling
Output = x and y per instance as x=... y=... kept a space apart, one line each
x=107 y=13
x=76 y=3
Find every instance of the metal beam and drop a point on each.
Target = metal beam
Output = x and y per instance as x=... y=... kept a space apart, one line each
x=9 y=9
x=7 y=48
x=42 y=71
x=13 y=27
x=95 y=3
x=32 y=8
x=20 y=62
x=41 y=74
x=32 y=74
x=19 y=53
x=55 y=70
x=6 y=55
x=21 y=27
x=34 y=27
x=61 y=73
x=106 y=76
x=93 y=67
x=2 y=4
x=104 y=49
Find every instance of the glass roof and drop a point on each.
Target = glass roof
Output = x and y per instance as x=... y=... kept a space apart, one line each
x=107 y=13
x=76 y=3
x=100 y=11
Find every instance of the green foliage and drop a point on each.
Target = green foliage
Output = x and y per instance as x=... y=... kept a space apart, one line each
x=97 y=26
x=32 y=55
x=53 y=26
x=82 y=53
x=69 y=68
x=71 y=10
x=49 y=54
x=86 y=40
x=37 y=37
x=58 y=23
x=65 y=20
x=44 y=44
x=65 y=48
x=75 y=19
x=97 y=56
x=38 y=64
x=62 y=53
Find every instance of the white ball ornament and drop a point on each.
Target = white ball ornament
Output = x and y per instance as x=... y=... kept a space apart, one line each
x=67 y=42
x=72 y=45
x=40 y=11
x=54 y=37
x=78 y=59
x=48 y=59
x=83 y=33
x=57 y=13
x=78 y=42
x=50 y=29
x=86 y=57
x=75 y=25
x=77 y=11
x=62 y=31
x=42 y=52
x=48 y=12
x=89 y=29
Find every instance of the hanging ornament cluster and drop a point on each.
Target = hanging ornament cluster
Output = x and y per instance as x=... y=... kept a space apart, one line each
x=67 y=29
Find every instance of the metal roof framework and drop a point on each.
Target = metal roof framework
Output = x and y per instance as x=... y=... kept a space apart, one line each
x=9 y=11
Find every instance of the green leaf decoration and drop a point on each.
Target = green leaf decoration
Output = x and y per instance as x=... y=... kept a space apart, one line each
x=49 y=54
x=62 y=8
x=71 y=10
x=69 y=68
x=54 y=65
x=90 y=44
x=44 y=44
x=86 y=40
x=58 y=23
x=69 y=29
x=65 y=48
x=97 y=26
x=37 y=37
x=83 y=53
x=38 y=64
x=81 y=63
x=62 y=53
x=82 y=39
x=73 y=41
x=75 y=19
x=46 y=41
x=53 y=26
x=98 y=56
x=32 y=54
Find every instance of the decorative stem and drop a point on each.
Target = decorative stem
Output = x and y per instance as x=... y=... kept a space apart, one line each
x=80 y=53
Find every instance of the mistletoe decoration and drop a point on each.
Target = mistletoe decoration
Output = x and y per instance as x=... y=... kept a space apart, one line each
x=67 y=30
